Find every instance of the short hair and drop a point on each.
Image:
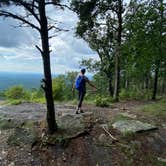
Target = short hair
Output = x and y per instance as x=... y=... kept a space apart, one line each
x=83 y=70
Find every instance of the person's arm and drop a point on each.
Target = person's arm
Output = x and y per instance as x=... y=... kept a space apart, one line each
x=90 y=83
x=73 y=87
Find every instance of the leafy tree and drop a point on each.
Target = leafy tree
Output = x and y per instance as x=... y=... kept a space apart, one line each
x=58 y=88
x=70 y=80
x=62 y=86
x=97 y=66
x=157 y=15
x=101 y=81
x=33 y=14
x=145 y=41
x=100 y=24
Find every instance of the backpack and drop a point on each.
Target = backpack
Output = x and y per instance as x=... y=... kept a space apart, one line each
x=79 y=83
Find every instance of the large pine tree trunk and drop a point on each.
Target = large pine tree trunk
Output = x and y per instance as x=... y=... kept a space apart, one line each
x=52 y=126
x=118 y=51
x=155 y=81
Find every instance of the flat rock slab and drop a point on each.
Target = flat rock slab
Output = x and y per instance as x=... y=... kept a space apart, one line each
x=74 y=124
x=132 y=126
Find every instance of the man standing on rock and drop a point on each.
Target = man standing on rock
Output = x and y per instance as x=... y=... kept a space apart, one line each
x=80 y=85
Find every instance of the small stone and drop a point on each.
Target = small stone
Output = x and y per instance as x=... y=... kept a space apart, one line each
x=161 y=159
x=63 y=156
x=150 y=140
x=3 y=152
x=115 y=109
x=59 y=113
x=163 y=125
x=102 y=138
x=11 y=164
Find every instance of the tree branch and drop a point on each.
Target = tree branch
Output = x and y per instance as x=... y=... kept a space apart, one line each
x=20 y=18
x=40 y=50
x=28 y=4
x=59 y=5
x=28 y=7
x=56 y=28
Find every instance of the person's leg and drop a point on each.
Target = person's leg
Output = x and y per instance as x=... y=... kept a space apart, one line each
x=77 y=109
x=81 y=97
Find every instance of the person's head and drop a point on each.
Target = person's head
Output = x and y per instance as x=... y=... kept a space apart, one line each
x=83 y=70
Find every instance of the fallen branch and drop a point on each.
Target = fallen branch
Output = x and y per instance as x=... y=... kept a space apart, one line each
x=115 y=139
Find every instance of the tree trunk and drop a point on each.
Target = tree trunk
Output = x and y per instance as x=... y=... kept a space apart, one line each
x=155 y=81
x=110 y=88
x=52 y=126
x=126 y=83
x=147 y=82
x=163 y=86
x=118 y=51
x=117 y=77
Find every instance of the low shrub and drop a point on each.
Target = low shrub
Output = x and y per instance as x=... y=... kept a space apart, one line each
x=102 y=101
x=124 y=94
x=135 y=93
x=17 y=92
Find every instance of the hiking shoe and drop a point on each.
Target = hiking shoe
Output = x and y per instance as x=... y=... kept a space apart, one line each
x=81 y=111
x=77 y=111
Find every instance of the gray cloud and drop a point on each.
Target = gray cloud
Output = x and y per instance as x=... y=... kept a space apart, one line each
x=17 y=46
x=13 y=37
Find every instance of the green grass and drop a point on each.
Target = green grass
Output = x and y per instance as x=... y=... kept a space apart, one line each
x=39 y=100
x=13 y=102
x=156 y=109
x=19 y=101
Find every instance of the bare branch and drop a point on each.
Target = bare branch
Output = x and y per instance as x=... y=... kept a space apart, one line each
x=50 y=37
x=57 y=29
x=20 y=18
x=32 y=5
x=28 y=7
x=24 y=25
x=40 y=50
x=59 y=5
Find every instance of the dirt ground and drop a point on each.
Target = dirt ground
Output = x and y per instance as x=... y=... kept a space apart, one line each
x=94 y=148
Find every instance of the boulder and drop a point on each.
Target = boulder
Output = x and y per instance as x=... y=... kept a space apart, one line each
x=134 y=126
x=74 y=124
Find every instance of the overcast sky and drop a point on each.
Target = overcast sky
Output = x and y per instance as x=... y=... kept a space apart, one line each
x=18 y=52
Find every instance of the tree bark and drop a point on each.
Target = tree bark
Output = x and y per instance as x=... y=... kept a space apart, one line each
x=147 y=82
x=52 y=126
x=155 y=81
x=110 y=88
x=163 y=85
x=117 y=77
x=118 y=51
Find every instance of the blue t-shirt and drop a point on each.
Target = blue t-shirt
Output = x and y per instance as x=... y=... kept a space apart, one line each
x=80 y=83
